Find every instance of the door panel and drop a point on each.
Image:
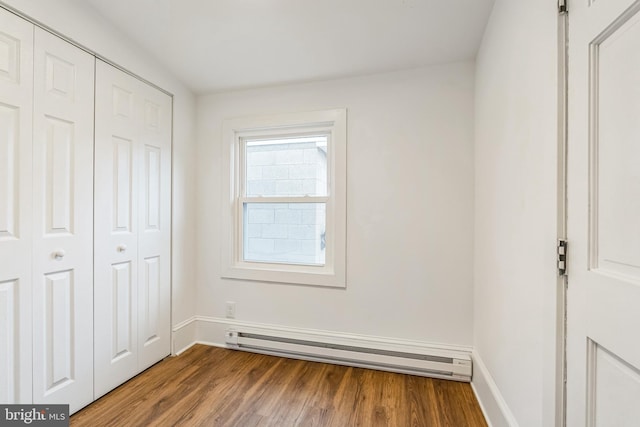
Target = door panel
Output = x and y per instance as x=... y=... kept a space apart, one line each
x=59 y=369
x=9 y=171
x=60 y=77
x=613 y=386
x=116 y=241
x=124 y=331
x=10 y=356
x=63 y=223
x=150 y=297
x=603 y=352
x=58 y=178
x=132 y=247
x=615 y=60
x=152 y=156
x=155 y=227
x=16 y=97
x=123 y=188
x=10 y=51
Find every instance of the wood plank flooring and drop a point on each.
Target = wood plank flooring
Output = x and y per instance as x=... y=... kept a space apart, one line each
x=209 y=386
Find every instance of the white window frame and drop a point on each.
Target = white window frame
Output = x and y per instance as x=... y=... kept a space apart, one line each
x=330 y=122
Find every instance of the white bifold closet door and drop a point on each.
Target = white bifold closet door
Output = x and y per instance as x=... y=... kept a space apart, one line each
x=132 y=226
x=62 y=222
x=16 y=93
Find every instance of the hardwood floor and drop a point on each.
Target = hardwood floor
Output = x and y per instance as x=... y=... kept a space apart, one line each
x=209 y=386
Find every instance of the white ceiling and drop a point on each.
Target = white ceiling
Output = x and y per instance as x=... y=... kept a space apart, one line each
x=217 y=45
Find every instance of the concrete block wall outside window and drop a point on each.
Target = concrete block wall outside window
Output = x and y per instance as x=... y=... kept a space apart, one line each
x=285 y=232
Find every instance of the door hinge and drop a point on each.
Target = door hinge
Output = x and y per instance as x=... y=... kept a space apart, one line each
x=562 y=6
x=562 y=257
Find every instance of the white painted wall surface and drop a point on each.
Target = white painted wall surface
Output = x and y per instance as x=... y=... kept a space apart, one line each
x=409 y=207
x=78 y=22
x=515 y=224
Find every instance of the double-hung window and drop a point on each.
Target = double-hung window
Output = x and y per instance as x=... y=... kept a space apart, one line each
x=285 y=198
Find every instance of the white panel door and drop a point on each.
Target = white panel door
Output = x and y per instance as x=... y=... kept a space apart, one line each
x=603 y=348
x=63 y=223
x=116 y=228
x=132 y=227
x=16 y=94
x=154 y=227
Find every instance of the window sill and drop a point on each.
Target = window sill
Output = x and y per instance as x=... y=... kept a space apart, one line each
x=321 y=277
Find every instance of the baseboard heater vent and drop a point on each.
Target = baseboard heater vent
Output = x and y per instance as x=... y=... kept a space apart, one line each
x=439 y=363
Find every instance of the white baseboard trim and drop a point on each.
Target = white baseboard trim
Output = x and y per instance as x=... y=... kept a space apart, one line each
x=211 y=331
x=184 y=336
x=494 y=407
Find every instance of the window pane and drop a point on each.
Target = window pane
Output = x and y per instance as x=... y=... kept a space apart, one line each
x=286 y=167
x=291 y=233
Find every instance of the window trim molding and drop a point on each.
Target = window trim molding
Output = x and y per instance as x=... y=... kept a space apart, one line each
x=333 y=273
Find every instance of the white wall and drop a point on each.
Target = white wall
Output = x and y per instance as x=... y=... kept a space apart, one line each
x=409 y=209
x=515 y=224
x=76 y=21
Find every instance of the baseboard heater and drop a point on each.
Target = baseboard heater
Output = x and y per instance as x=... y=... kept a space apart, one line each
x=438 y=363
